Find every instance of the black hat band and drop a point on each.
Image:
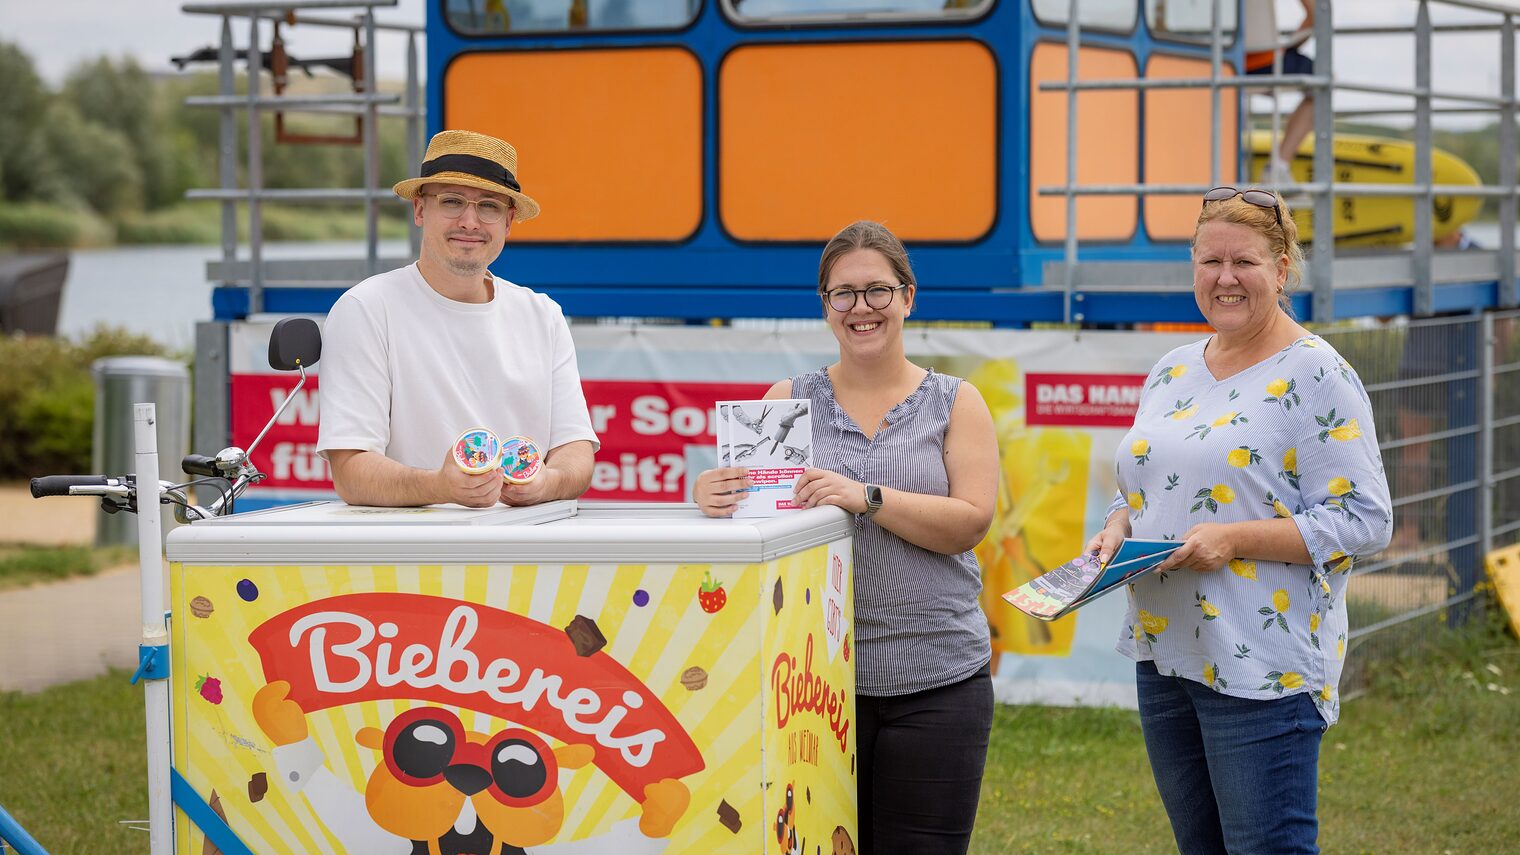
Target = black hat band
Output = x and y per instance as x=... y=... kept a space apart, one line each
x=470 y=164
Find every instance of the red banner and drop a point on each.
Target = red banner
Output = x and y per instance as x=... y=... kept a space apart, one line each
x=1082 y=400
x=288 y=455
x=644 y=425
x=366 y=647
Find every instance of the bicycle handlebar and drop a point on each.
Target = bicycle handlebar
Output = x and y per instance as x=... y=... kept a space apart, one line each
x=200 y=464
x=58 y=485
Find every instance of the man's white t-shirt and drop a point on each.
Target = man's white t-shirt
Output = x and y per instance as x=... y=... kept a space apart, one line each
x=406 y=370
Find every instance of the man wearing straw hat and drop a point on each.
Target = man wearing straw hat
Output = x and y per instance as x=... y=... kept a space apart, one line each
x=415 y=356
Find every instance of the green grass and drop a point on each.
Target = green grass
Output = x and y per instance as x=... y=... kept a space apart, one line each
x=73 y=762
x=1424 y=762
x=24 y=565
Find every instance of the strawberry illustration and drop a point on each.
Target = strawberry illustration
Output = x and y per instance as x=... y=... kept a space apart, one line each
x=210 y=688
x=711 y=595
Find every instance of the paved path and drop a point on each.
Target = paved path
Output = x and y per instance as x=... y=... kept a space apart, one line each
x=69 y=630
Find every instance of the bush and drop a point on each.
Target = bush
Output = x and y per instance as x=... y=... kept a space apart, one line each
x=189 y=222
x=47 y=399
x=36 y=224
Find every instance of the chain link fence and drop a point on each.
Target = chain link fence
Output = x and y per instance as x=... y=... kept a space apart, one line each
x=1445 y=397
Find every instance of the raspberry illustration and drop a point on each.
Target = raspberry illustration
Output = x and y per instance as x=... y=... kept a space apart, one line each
x=210 y=688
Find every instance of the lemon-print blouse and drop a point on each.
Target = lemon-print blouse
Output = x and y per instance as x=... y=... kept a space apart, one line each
x=1291 y=436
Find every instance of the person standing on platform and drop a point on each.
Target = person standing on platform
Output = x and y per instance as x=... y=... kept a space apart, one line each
x=913 y=455
x=415 y=356
x=1262 y=45
x=1263 y=460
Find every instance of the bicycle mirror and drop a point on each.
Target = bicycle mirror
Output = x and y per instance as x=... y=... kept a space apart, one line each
x=295 y=343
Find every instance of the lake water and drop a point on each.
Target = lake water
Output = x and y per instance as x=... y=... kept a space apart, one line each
x=162 y=290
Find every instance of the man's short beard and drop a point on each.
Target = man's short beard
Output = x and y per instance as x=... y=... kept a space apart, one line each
x=462 y=268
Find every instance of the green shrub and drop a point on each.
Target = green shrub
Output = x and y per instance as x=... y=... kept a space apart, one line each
x=190 y=222
x=47 y=399
x=37 y=224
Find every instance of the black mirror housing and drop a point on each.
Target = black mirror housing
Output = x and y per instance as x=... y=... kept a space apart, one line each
x=295 y=343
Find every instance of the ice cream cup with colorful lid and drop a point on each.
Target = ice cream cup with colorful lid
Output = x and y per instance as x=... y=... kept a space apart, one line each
x=477 y=450
x=520 y=459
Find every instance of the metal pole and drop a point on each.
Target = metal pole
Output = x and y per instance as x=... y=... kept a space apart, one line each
x=154 y=633
x=227 y=139
x=413 y=128
x=255 y=173
x=1073 y=45
x=371 y=145
x=1509 y=289
x=1486 y=393
x=1215 y=58
x=1424 y=227
x=1322 y=263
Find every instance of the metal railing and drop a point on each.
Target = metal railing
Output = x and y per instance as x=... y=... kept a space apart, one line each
x=369 y=104
x=1324 y=273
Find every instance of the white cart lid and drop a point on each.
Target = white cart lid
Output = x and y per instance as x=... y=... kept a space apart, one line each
x=555 y=533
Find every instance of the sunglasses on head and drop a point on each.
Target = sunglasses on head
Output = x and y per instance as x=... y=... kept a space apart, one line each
x=1259 y=198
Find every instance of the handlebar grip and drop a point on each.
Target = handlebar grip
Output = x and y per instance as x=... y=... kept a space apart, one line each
x=58 y=485
x=200 y=464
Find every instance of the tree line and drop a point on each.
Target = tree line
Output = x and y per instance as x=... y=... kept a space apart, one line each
x=117 y=143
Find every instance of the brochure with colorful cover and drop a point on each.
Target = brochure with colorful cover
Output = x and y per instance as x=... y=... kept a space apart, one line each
x=774 y=441
x=1082 y=579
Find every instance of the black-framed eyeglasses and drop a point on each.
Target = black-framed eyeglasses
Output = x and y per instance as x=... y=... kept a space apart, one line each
x=843 y=299
x=488 y=210
x=1259 y=198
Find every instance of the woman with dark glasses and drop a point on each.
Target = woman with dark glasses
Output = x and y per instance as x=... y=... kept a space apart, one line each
x=1262 y=458
x=912 y=453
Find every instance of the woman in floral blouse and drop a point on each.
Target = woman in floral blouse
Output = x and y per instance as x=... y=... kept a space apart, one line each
x=1255 y=447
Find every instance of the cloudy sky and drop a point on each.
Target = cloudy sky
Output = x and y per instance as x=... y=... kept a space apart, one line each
x=61 y=33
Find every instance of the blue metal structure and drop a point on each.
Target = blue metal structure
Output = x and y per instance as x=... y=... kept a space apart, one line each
x=1000 y=278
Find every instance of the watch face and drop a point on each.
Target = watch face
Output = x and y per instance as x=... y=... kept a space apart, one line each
x=873 y=495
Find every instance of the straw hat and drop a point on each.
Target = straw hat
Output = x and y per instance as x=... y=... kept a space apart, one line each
x=473 y=160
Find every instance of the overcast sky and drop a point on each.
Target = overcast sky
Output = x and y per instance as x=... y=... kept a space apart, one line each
x=59 y=34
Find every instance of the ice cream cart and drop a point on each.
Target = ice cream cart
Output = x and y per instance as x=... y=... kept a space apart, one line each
x=562 y=678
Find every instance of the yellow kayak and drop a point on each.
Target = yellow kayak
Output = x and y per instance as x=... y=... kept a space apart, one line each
x=1377 y=220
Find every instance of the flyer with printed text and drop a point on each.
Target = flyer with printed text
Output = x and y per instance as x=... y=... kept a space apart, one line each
x=1082 y=579
x=774 y=441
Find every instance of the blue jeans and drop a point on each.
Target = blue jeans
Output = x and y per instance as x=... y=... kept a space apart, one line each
x=1236 y=775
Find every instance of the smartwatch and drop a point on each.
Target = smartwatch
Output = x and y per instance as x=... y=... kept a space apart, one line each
x=873 y=500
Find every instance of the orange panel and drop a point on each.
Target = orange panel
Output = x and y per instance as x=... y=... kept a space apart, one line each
x=1177 y=143
x=1108 y=133
x=813 y=137
x=608 y=141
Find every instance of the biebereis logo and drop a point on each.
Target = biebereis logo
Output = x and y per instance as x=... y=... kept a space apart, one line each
x=1082 y=400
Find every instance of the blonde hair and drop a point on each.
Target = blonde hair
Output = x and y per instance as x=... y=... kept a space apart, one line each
x=865 y=234
x=1280 y=241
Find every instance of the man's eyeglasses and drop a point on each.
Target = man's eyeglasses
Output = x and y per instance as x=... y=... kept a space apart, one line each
x=452 y=206
x=877 y=296
x=1259 y=198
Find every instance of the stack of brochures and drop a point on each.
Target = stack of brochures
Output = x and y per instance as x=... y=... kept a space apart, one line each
x=1082 y=579
x=774 y=441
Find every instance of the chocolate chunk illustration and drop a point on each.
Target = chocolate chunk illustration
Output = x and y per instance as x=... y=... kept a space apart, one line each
x=728 y=816
x=776 y=598
x=258 y=785
x=585 y=635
